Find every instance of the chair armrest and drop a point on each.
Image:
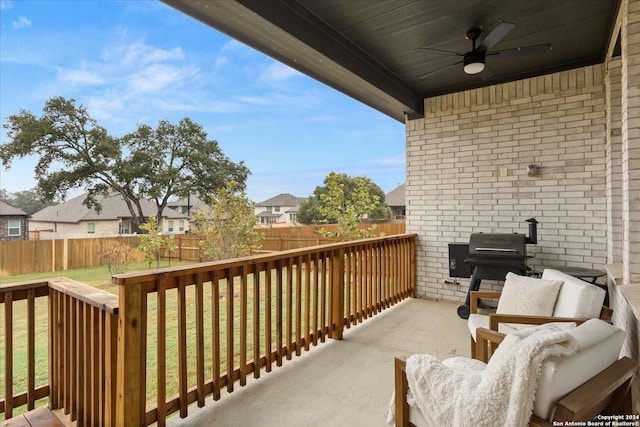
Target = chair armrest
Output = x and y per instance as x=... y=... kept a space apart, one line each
x=495 y=319
x=609 y=391
x=475 y=296
x=536 y=421
x=401 y=389
x=487 y=342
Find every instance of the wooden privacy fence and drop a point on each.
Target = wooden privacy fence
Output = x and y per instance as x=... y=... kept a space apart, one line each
x=67 y=334
x=41 y=256
x=275 y=239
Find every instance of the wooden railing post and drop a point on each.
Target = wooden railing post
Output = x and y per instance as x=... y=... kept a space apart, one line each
x=131 y=381
x=111 y=368
x=337 y=294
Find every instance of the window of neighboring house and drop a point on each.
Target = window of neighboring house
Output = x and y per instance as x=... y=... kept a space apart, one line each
x=14 y=227
x=126 y=227
x=269 y=209
x=181 y=225
x=170 y=227
x=91 y=227
x=276 y=209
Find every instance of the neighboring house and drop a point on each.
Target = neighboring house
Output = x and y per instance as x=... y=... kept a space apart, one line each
x=395 y=201
x=72 y=219
x=188 y=205
x=282 y=208
x=14 y=223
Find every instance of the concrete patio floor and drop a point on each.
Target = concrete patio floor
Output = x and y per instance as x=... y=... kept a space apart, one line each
x=340 y=383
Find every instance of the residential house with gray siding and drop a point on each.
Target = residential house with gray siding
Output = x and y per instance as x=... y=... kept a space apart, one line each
x=14 y=223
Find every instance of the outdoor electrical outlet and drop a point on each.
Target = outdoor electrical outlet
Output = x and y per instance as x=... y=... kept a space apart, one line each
x=503 y=171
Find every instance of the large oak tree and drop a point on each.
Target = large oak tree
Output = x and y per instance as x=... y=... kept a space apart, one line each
x=75 y=152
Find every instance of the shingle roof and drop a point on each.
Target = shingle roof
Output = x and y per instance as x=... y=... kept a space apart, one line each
x=396 y=196
x=284 y=199
x=7 y=209
x=113 y=207
x=193 y=202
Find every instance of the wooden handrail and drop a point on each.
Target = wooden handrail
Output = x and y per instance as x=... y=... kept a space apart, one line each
x=80 y=322
x=272 y=306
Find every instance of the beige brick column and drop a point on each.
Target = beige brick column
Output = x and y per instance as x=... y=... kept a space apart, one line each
x=614 y=162
x=631 y=141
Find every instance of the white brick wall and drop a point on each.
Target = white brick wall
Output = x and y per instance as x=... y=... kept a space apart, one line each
x=456 y=153
x=631 y=141
x=614 y=161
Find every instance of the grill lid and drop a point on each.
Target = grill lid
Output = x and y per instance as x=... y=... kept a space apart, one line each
x=498 y=244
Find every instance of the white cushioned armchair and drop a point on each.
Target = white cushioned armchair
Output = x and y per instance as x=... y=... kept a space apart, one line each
x=555 y=297
x=578 y=386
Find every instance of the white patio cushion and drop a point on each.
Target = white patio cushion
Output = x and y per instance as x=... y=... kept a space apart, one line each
x=599 y=345
x=576 y=298
x=476 y=321
x=528 y=296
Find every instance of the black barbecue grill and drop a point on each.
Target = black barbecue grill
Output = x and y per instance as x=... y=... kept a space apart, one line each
x=491 y=256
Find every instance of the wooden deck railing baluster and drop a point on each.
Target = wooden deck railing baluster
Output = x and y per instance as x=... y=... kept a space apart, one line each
x=8 y=355
x=200 y=279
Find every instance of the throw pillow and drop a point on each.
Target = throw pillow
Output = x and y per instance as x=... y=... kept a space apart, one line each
x=528 y=296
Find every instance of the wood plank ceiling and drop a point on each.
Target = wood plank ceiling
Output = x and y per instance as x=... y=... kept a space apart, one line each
x=391 y=54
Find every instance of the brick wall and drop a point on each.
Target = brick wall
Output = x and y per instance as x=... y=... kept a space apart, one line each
x=466 y=172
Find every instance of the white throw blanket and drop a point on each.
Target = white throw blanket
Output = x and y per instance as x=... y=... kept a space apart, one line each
x=463 y=392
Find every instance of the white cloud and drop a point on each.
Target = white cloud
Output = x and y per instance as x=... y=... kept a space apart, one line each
x=5 y=4
x=79 y=77
x=156 y=77
x=278 y=72
x=141 y=53
x=21 y=22
x=221 y=61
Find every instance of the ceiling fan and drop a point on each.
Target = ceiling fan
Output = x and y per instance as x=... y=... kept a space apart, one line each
x=474 y=60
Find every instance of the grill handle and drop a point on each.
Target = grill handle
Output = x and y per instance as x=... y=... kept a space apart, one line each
x=532 y=239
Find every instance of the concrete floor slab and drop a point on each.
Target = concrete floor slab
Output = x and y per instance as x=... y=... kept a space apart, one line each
x=340 y=383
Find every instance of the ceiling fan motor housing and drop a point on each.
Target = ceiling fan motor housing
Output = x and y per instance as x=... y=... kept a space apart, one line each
x=474 y=61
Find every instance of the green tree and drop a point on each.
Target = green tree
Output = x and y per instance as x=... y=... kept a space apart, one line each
x=176 y=160
x=345 y=201
x=77 y=153
x=226 y=227
x=152 y=240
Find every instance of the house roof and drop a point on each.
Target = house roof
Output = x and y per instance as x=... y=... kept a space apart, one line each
x=284 y=199
x=113 y=207
x=193 y=202
x=8 y=210
x=392 y=55
x=396 y=196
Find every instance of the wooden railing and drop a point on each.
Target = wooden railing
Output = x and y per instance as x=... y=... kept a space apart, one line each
x=246 y=314
x=72 y=327
x=174 y=336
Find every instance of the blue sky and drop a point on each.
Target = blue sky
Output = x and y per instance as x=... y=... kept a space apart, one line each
x=140 y=61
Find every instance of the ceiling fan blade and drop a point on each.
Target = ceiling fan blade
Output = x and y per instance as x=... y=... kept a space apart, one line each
x=437 y=70
x=448 y=52
x=497 y=34
x=526 y=50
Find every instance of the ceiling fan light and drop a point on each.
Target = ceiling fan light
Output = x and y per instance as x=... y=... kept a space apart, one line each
x=473 y=62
